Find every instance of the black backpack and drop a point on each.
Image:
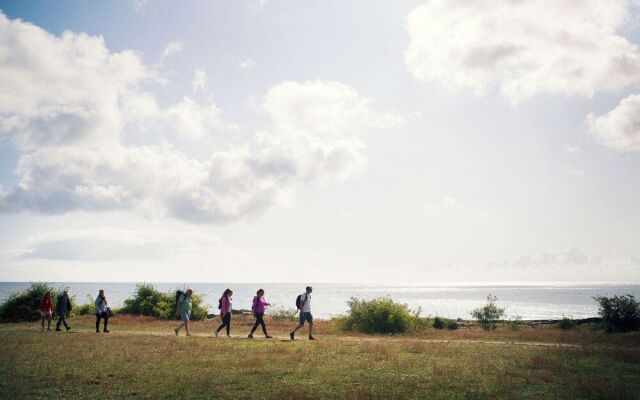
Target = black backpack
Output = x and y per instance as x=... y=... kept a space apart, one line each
x=179 y=293
x=220 y=303
x=299 y=302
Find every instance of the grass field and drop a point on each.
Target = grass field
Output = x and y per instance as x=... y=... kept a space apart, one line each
x=141 y=358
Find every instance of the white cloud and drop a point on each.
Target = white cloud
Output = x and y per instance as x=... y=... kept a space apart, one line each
x=525 y=47
x=114 y=244
x=72 y=107
x=247 y=64
x=199 y=81
x=620 y=127
x=192 y=119
x=574 y=172
x=140 y=6
x=173 y=47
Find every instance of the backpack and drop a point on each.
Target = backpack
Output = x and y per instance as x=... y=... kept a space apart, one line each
x=299 y=302
x=179 y=294
x=220 y=303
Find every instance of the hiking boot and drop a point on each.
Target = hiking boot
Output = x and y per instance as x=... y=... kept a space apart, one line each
x=292 y=336
x=268 y=337
x=58 y=329
x=250 y=336
x=105 y=331
x=312 y=338
x=97 y=330
x=67 y=327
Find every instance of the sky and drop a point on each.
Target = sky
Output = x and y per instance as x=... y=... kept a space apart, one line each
x=378 y=142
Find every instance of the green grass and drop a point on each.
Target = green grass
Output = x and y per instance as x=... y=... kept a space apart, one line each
x=156 y=364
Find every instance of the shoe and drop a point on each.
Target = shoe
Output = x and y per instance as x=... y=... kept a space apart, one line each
x=67 y=327
x=97 y=330
x=312 y=338
x=268 y=337
x=58 y=329
x=188 y=334
x=215 y=333
x=291 y=335
x=250 y=336
x=176 y=331
x=105 y=331
x=228 y=335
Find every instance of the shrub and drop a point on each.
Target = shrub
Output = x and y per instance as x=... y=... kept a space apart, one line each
x=452 y=325
x=489 y=315
x=566 y=323
x=619 y=313
x=381 y=315
x=147 y=300
x=283 y=314
x=515 y=323
x=25 y=305
x=439 y=323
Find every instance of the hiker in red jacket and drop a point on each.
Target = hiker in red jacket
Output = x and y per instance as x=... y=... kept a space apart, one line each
x=46 y=310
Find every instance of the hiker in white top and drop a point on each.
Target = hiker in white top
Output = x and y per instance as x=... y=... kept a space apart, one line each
x=303 y=302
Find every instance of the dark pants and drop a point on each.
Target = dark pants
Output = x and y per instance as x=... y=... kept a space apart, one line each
x=105 y=316
x=259 y=321
x=61 y=320
x=226 y=322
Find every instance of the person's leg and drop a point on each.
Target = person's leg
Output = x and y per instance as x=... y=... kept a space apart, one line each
x=98 y=316
x=178 y=328
x=255 y=325
x=310 y=329
x=63 y=317
x=228 y=316
x=43 y=317
x=59 y=322
x=300 y=325
x=186 y=327
x=264 y=327
x=105 y=316
x=49 y=321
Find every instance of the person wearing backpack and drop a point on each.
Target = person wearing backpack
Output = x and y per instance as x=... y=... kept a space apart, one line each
x=63 y=306
x=183 y=310
x=224 y=304
x=102 y=311
x=303 y=303
x=258 y=307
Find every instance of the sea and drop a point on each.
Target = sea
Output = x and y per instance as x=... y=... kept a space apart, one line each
x=451 y=300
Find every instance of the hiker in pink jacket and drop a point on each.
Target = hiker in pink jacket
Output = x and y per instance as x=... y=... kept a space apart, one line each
x=224 y=304
x=258 y=307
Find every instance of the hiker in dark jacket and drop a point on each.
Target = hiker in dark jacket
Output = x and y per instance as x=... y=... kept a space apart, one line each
x=63 y=306
x=102 y=311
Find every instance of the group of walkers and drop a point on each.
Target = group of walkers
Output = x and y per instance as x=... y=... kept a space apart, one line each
x=258 y=307
x=183 y=311
x=63 y=306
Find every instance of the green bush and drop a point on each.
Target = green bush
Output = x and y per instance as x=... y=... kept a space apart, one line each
x=381 y=315
x=147 y=300
x=515 y=323
x=441 y=323
x=566 y=323
x=283 y=314
x=25 y=305
x=619 y=313
x=452 y=325
x=489 y=315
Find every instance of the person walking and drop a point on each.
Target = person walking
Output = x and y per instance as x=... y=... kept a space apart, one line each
x=102 y=311
x=224 y=304
x=183 y=310
x=258 y=307
x=63 y=306
x=46 y=310
x=303 y=302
